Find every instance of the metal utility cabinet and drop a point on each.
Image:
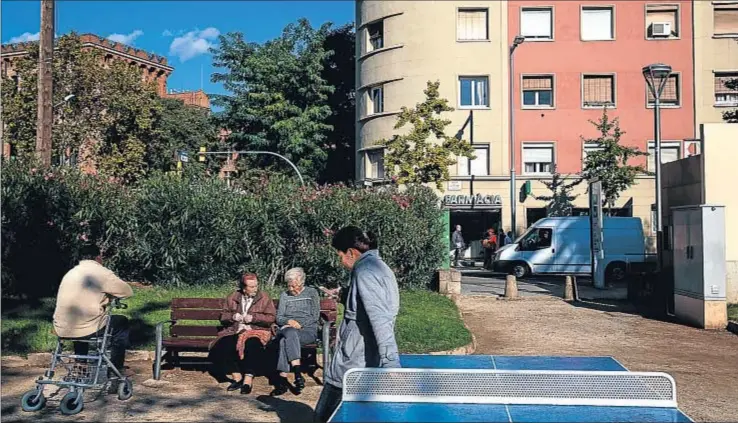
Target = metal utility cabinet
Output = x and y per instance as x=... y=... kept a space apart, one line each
x=698 y=245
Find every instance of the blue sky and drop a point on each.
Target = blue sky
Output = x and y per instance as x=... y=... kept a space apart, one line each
x=180 y=30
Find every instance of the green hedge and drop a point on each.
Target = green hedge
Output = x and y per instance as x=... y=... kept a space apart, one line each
x=191 y=229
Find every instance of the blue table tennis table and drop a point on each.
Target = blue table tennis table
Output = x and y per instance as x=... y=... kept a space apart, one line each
x=485 y=388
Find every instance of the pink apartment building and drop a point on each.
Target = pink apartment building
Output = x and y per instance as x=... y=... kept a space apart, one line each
x=580 y=56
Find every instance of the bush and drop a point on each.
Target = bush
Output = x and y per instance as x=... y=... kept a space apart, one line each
x=194 y=230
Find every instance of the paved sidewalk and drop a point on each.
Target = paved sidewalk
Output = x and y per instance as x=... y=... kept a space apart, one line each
x=482 y=282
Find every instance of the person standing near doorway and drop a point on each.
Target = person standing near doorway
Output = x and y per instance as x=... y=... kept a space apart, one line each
x=457 y=239
x=489 y=242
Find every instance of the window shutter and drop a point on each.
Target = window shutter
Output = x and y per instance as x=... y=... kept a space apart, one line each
x=472 y=25
x=671 y=90
x=537 y=82
x=534 y=154
x=597 y=24
x=536 y=23
x=597 y=89
x=479 y=165
x=726 y=20
x=721 y=80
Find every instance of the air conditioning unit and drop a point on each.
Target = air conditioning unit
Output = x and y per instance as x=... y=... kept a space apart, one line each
x=661 y=29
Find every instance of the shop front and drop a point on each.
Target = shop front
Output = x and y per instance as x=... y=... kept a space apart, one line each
x=475 y=214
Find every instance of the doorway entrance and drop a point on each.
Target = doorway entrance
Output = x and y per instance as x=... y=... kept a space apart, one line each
x=474 y=224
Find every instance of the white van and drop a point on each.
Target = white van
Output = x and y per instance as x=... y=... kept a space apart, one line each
x=562 y=245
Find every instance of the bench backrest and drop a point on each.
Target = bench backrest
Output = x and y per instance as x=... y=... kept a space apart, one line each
x=210 y=308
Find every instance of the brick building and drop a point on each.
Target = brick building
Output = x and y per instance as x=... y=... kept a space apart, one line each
x=153 y=67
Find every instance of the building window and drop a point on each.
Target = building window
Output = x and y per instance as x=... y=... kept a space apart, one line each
x=471 y=25
x=479 y=166
x=662 y=21
x=671 y=95
x=588 y=148
x=670 y=151
x=376 y=100
x=375 y=164
x=473 y=91
x=536 y=23
x=725 y=96
x=538 y=91
x=598 y=91
x=538 y=158
x=598 y=23
x=725 y=19
x=376 y=36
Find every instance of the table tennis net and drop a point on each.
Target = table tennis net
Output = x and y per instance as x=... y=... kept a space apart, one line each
x=510 y=387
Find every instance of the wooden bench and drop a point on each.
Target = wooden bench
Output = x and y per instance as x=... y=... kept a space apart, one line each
x=197 y=338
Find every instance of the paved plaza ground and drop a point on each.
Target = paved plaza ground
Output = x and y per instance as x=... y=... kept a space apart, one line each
x=704 y=364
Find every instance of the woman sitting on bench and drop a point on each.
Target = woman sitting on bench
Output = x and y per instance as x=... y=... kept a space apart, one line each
x=247 y=317
x=297 y=320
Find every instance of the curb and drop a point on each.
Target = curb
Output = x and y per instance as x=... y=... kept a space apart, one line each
x=733 y=326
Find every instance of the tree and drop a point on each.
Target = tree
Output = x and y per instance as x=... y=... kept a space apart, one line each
x=109 y=121
x=278 y=97
x=180 y=128
x=608 y=161
x=339 y=72
x=731 y=116
x=412 y=158
x=559 y=202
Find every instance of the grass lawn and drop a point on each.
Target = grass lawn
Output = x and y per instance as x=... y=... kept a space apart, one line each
x=427 y=321
x=733 y=312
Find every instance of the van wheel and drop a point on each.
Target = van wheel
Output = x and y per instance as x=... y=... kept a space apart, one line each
x=615 y=272
x=520 y=270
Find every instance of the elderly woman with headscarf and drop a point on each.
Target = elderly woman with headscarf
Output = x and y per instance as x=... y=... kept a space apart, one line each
x=297 y=320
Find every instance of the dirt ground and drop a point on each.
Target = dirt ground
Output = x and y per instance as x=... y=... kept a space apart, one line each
x=704 y=364
x=190 y=395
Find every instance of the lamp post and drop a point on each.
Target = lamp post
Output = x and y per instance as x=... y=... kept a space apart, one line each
x=656 y=76
x=203 y=153
x=64 y=101
x=519 y=39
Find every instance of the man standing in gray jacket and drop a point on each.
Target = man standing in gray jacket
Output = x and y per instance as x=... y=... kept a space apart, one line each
x=367 y=334
x=457 y=239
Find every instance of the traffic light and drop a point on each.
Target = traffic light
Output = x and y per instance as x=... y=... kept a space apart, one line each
x=201 y=155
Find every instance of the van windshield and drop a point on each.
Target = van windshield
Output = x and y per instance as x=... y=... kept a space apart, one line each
x=536 y=238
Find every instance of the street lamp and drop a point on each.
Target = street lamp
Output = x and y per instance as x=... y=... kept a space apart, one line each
x=519 y=39
x=66 y=100
x=656 y=76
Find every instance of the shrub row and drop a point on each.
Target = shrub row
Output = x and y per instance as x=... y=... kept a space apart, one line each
x=192 y=229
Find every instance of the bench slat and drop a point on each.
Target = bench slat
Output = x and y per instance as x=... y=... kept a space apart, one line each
x=185 y=330
x=206 y=303
x=190 y=314
x=189 y=343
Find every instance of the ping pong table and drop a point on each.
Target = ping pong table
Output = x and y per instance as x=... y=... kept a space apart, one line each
x=485 y=388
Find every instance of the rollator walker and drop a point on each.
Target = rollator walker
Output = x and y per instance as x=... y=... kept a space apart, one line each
x=83 y=372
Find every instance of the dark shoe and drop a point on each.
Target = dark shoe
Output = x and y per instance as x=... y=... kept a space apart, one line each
x=281 y=386
x=235 y=385
x=299 y=383
x=245 y=389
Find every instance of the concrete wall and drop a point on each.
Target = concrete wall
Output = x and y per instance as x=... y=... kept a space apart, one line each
x=707 y=179
x=713 y=52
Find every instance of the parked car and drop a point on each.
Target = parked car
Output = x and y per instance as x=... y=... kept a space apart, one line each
x=561 y=245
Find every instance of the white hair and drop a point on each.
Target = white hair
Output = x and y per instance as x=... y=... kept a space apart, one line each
x=295 y=274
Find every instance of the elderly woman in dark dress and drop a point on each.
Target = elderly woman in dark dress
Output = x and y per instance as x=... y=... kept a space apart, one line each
x=297 y=320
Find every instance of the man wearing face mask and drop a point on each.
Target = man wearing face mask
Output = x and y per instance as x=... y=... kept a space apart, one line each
x=367 y=334
x=248 y=314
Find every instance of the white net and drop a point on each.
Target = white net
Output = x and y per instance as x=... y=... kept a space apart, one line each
x=510 y=387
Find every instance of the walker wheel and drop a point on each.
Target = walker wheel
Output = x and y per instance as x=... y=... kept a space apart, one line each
x=72 y=403
x=30 y=403
x=125 y=389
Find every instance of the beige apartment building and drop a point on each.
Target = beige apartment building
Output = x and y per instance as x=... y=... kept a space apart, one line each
x=716 y=58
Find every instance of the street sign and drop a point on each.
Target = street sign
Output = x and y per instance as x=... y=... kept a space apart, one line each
x=597 y=237
x=454 y=185
x=184 y=157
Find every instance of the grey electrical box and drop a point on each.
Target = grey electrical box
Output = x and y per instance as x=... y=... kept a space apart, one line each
x=698 y=247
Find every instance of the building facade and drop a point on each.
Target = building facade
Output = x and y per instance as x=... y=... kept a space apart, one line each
x=578 y=58
x=154 y=68
x=716 y=58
